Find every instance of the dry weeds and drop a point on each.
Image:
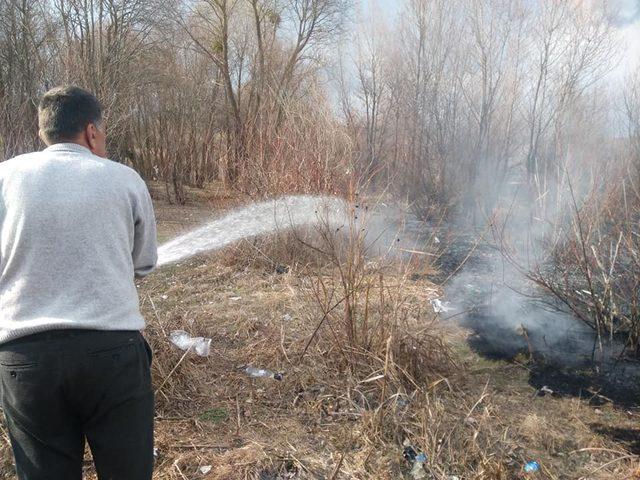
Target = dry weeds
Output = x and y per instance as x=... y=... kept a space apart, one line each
x=346 y=406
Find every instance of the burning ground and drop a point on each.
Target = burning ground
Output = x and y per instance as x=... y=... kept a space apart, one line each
x=474 y=415
x=510 y=319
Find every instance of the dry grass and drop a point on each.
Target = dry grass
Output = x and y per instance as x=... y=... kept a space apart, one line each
x=345 y=407
x=327 y=418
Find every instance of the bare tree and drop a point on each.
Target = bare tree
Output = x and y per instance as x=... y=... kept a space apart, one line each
x=24 y=72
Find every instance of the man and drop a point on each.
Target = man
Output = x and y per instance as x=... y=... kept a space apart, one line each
x=74 y=230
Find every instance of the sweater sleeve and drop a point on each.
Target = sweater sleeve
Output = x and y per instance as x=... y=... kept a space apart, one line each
x=145 y=248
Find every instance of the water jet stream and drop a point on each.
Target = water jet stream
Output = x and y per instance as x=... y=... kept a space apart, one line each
x=256 y=219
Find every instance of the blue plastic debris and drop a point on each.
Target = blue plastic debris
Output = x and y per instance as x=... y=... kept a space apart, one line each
x=417 y=472
x=417 y=459
x=409 y=453
x=531 y=467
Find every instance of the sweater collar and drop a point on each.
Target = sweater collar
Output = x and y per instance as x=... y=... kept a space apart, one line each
x=67 y=147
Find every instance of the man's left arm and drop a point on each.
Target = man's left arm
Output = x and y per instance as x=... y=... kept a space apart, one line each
x=145 y=246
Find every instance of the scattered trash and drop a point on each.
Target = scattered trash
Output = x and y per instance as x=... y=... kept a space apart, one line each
x=417 y=472
x=205 y=469
x=262 y=373
x=409 y=453
x=470 y=421
x=418 y=460
x=164 y=297
x=287 y=317
x=156 y=452
x=531 y=467
x=282 y=269
x=235 y=299
x=545 y=391
x=439 y=306
x=184 y=341
x=453 y=477
x=436 y=240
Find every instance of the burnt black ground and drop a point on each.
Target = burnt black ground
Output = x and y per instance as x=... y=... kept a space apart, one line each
x=566 y=364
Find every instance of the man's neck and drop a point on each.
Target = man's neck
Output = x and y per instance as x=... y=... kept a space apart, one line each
x=78 y=141
x=73 y=146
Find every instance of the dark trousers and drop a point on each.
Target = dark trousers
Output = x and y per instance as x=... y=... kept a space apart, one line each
x=62 y=387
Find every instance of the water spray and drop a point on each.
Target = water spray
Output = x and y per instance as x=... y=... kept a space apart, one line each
x=257 y=219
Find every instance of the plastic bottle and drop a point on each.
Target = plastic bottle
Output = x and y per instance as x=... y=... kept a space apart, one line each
x=184 y=341
x=531 y=467
x=262 y=373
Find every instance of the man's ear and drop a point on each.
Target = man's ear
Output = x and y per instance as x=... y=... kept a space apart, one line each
x=90 y=136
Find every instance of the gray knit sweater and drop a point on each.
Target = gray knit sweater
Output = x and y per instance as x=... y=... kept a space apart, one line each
x=74 y=230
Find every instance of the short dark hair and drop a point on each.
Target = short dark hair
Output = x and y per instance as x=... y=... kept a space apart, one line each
x=66 y=111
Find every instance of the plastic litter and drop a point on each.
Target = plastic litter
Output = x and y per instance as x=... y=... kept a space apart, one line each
x=409 y=453
x=262 y=373
x=531 y=467
x=184 y=341
x=205 y=469
x=417 y=459
x=287 y=317
x=439 y=306
x=545 y=391
x=282 y=269
x=418 y=472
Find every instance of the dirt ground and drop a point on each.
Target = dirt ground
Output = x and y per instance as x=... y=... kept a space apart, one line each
x=483 y=421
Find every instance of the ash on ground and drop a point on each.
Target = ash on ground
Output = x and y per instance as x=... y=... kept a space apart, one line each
x=510 y=319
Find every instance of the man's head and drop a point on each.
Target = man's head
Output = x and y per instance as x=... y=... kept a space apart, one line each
x=72 y=115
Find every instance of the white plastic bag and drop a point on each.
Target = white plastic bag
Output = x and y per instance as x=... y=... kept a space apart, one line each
x=440 y=307
x=184 y=341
